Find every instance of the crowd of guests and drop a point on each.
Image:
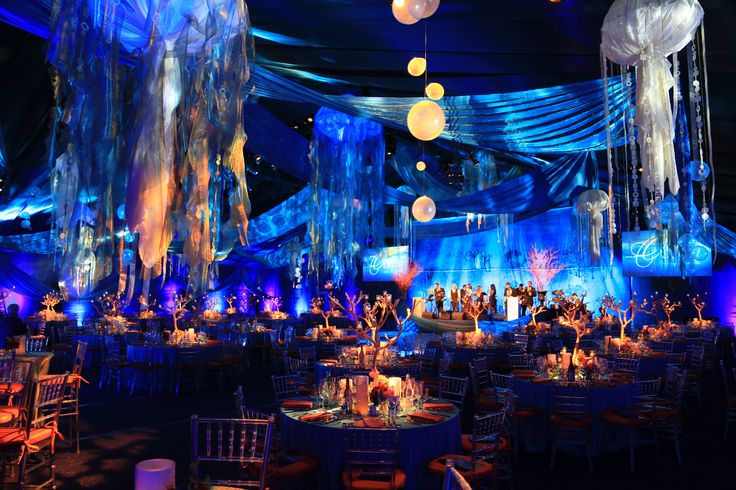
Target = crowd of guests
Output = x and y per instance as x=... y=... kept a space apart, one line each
x=462 y=298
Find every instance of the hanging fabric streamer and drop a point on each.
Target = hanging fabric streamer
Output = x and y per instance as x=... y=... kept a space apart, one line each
x=643 y=33
x=592 y=203
x=347 y=156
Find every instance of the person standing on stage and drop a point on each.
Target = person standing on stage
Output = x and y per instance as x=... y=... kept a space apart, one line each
x=492 y=302
x=480 y=294
x=527 y=299
x=439 y=297
x=455 y=298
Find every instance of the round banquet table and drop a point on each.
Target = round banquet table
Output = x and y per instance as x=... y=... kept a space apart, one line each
x=418 y=445
x=650 y=366
x=41 y=362
x=542 y=395
x=495 y=354
x=341 y=370
x=166 y=354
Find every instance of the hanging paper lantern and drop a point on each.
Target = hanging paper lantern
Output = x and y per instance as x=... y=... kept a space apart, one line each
x=435 y=91
x=25 y=224
x=417 y=66
x=400 y=9
x=421 y=166
x=426 y=120
x=121 y=211
x=25 y=215
x=592 y=202
x=643 y=33
x=698 y=174
x=431 y=7
x=423 y=209
x=416 y=8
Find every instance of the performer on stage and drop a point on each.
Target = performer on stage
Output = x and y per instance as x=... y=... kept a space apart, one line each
x=466 y=296
x=527 y=298
x=480 y=294
x=439 y=297
x=492 y=303
x=509 y=291
x=455 y=298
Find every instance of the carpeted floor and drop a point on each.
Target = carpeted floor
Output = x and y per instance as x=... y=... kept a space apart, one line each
x=118 y=431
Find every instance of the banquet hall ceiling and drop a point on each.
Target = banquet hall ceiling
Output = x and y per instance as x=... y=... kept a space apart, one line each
x=474 y=47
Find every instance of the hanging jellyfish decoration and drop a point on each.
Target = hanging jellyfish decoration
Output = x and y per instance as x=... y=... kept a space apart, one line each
x=346 y=209
x=589 y=206
x=180 y=145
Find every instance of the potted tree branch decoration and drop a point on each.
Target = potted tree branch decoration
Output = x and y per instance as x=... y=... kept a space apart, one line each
x=231 y=309
x=50 y=301
x=699 y=305
x=544 y=265
x=669 y=306
x=570 y=306
x=319 y=309
x=179 y=308
x=146 y=305
x=625 y=316
x=475 y=309
x=368 y=325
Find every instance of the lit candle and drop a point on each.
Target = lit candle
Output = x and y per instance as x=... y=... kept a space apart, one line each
x=566 y=357
x=361 y=395
x=394 y=383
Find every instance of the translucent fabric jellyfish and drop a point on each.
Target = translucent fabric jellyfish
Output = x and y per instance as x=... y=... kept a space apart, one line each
x=643 y=33
x=592 y=203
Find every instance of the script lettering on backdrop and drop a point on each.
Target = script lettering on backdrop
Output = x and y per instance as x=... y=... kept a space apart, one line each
x=381 y=264
x=645 y=253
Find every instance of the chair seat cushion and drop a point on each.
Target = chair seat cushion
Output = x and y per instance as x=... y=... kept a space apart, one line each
x=567 y=421
x=293 y=465
x=11 y=388
x=522 y=412
x=488 y=404
x=357 y=483
x=467 y=442
x=14 y=435
x=624 y=419
x=6 y=417
x=483 y=469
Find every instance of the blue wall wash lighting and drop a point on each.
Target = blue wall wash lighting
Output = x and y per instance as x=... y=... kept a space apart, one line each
x=647 y=253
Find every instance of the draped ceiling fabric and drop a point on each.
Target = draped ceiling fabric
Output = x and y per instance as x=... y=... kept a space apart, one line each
x=552 y=120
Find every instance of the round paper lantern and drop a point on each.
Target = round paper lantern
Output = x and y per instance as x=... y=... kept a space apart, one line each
x=698 y=174
x=431 y=7
x=416 y=8
x=417 y=66
x=121 y=211
x=423 y=209
x=400 y=9
x=435 y=91
x=25 y=224
x=426 y=120
x=421 y=166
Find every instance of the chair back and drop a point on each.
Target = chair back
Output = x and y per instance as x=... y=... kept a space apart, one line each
x=487 y=432
x=243 y=410
x=520 y=361
x=445 y=363
x=285 y=386
x=112 y=351
x=453 y=389
x=675 y=358
x=36 y=344
x=453 y=479
x=570 y=403
x=46 y=403
x=309 y=355
x=645 y=395
x=674 y=386
x=660 y=346
x=413 y=369
x=695 y=354
x=371 y=454
x=223 y=448
x=15 y=372
x=520 y=340
x=479 y=375
x=429 y=354
x=79 y=355
x=627 y=365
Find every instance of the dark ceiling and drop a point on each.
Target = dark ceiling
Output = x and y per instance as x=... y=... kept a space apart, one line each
x=474 y=47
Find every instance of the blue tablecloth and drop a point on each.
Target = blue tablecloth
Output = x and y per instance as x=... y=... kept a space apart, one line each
x=496 y=354
x=166 y=354
x=542 y=395
x=418 y=445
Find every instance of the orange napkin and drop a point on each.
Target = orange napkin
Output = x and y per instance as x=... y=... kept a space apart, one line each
x=442 y=407
x=316 y=417
x=297 y=404
x=371 y=423
x=424 y=417
x=523 y=373
x=331 y=362
x=540 y=380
